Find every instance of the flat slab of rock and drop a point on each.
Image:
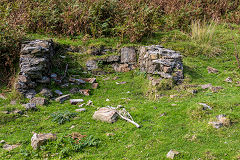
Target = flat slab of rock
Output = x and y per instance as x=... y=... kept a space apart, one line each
x=9 y=147
x=39 y=139
x=75 y=101
x=63 y=98
x=39 y=101
x=106 y=115
x=128 y=55
x=58 y=92
x=206 y=86
x=172 y=153
x=80 y=110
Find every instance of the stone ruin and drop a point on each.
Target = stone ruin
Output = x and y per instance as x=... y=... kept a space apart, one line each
x=35 y=66
x=154 y=60
x=35 y=63
x=160 y=61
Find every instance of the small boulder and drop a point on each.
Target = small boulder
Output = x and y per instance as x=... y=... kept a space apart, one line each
x=222 y=120
x=30 y=106
x=2 y=96
x=39 y=139
x=58 y=92
x=91 y=65
x=229 y=80
x=212 y=70
x=74 y=90
x=39 y=101
x=46 y=92
x=206 y=86
x=84 y=92
x=115 y=78
x=63 y=98
x=13 y=102
x=94 y=85
x=75 y=101
x=172 y=153
x=106 y=115
x=205 y=106
x=2 y=142
x=216 y=89
x=80 y=110
x=30 y=94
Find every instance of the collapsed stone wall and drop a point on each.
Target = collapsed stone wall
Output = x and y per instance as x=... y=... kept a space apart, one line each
x=160 y=61
x=35 y=63
x=154 y=60
x=35 y=66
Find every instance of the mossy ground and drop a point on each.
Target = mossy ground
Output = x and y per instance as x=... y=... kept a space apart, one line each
x=184 y=126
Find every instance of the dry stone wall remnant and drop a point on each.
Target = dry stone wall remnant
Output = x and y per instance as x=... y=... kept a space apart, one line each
x=34 y=66
x=160 y=61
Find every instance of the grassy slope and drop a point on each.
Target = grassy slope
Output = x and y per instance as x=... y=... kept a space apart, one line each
x=158 y=134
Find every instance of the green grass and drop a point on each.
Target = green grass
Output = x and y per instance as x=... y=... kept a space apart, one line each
x=158 y=134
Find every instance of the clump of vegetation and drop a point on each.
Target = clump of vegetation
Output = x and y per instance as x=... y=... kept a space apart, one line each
x=62 y=117
x=73 y=143
x=10 y=37
x=204 y=35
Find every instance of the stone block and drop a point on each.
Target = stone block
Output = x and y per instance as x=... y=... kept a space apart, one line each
x=106 y=115
x=39 y=101
x=128 y=55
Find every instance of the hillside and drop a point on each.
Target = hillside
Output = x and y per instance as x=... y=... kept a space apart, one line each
x=99 y=64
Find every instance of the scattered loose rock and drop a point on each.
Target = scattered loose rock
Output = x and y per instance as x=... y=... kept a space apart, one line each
x=2 y=142
x=75 y=101
x=13 y=102
x=173 y=96
x=229 y=80
x=115 y=78
x=121 y=82
x=81 y=105
x=206 y=86
x=212 y=70
x=172 y=153
x=46 y=92
x=39 y=101
x=84 y=92
x=30 y=106
x=105 y=79
x=80 y=110
x=89 y=103
x=205 y=106
x=2 y=96
x=63 y=98
x=9 y=147
x=106 y=115
x=39 y=139
x=216 y=89
x=58 y=92
x=222 y=120
x=94 y=85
